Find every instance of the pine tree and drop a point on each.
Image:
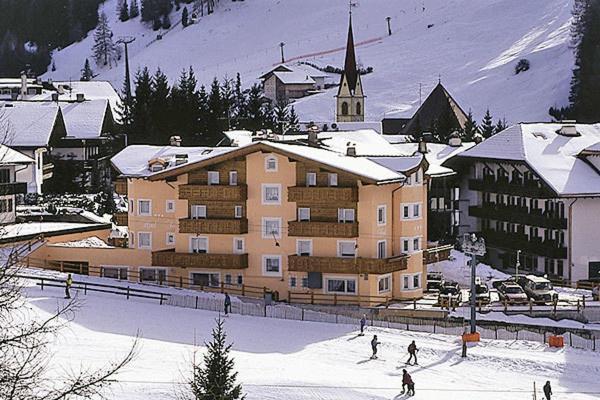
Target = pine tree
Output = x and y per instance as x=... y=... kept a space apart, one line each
x=104 y=50
x=124 y=12
x=53 y=66
x=487 y=125
x=254 y=109
x=159 y=108
x=184 y=17
x=216 y=378
x=239 y=103
x=86 y=73
x=140 y=114
x=470 y=128
x=293 y=121
x=227 y=101
x=281 y=117
x=215 y=106
x=500 y=126
x=166 y=21
x=134 y=9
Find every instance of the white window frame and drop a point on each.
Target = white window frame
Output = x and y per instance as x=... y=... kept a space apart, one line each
x=139 y=202
x=265 y=257
x=343 y=213
x=419 y=244
x=117 y=268
x=416 y=211
x=170 y=206
x=191 y=280
x=405 y=245
x=233 y=178
x=197 y=238
x=411 y=211
x=383 y=220
x=140 y=242
x=311 y=179
x=170 y=242
x=238 y=212
x=390 y=282
x=310 y=246
x=339 y=248
x=264 y=188
x=326 y=280
x=411 y=281
x=194 y=215
x=332 y=179
x=307 y=209
x=384 y=242
x=268 y=158
x=235 y=248
x=293 y=279
x=269 y=235
x=156 y=271
x=209 y=178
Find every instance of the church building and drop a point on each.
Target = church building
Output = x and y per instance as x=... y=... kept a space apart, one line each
x=350 y=105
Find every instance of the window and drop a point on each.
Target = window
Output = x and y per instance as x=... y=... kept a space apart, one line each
x=240 y=279
x=4 y=175
x=381 y=214
x=271 y=228
x=384 y=284
x=411 y=211
x=303 y=214
x=199 y=245
x=433 y=203
x=272 y=265
x=238 y=245
x=346 y=248
x=213 y=177
x=305 y=282
x=345 y=215
x=233 y=178
x=304 y=247
x=238 y=211
x=411 y=281
x=198 y=211
x=170 y=239
x=381 y=249
x=271 y=164
x=344 y=108
x=156 y=275
x=405 y=246
x=416 y=244
x=114 y=272
x=358 y=108
x=144 y=207
x=170 y=206
x=271 y=194
x=311 y=179
x=405 y=282
x=131 y=240
x=205 y=279
x=341 y=285
x=228 y=279
x=332 y=179
x=405 y=213
x=144 y=240
x=6 y=205
x=416 y=210
x=417 y=281
x=292 y=281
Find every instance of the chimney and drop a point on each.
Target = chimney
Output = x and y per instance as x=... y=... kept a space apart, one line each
x=175 y=141
x=23 y=84
x=455 y=140
x=423 y=147
x=55 y=97
x=313 y=136
x=568 y=128
x=80 y=97
x=351 y=150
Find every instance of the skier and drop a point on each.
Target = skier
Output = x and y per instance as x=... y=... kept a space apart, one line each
x=227 y=303
x=363 y=322
x=548 y=390
x=68 y=284
x=407 y=384
x=412 y=351
x=374 y=344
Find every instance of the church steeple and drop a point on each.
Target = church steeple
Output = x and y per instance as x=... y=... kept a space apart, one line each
x=350 y=96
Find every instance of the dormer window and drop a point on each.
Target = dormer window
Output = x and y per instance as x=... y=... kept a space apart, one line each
x=157 y=164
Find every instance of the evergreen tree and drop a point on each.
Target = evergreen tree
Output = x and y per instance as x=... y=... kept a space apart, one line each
x=105 y=51
x=443 y=127
x=86 y=73
x=134 y=9
x=203 y=111
x=500 y=126
x=239 y=102
x=227 y=101
x=470 y=128
x=215 y=107
x=140 y=113
x=106 y=202
x=282 y=117
x=254 y=109
x=185 y=108
x=124 y=12
x=159 y=109
x=53 y=66
x=293 y=121
x=216 y=378
x=487 y=125
x=268 y=115
x=166 y=21
x=184 y=17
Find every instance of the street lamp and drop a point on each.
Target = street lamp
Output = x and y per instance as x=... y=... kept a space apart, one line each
x=473 y=246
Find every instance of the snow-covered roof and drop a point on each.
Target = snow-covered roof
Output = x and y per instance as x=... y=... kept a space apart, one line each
x=10 y=156
x=92 y=90
x=294 y=78
x=437 y=154
x=552 y=156
x=25 y=231
x=366 y=141
x=92 y=241
x=395 y=139
x=400 y=164
x=310 y=71
x=30 y=123
x=84 y=120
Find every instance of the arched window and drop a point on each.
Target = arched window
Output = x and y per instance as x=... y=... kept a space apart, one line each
x=358 y=108
x=344 y=108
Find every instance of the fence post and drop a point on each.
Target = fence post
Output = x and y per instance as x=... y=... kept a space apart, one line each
x=243 y=289
x=496 y=332
x=414 y=304
x=570 y=339
x=555 y=302
x=530 y=307
x=42 y=283
x=181 y=281
x=222 y=287
x=85 y=288
x=62 y=266
x=196 y=302
x=312 y=298
x=583 y=300
x=335 y=301
x=578 y=306
x=302 y=314
x=127 y=292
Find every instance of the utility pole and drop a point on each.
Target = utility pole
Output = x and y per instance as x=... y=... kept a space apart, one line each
x=473 y=246
x=126 y=40
x=388 y=19
x=518 y=264
x=282 y=57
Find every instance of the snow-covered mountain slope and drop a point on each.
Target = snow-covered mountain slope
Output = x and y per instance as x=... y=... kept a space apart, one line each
x=473 y=45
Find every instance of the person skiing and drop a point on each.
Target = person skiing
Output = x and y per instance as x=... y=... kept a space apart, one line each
x=407 y=383
x=227 y=303
x=374 y=344
x=412 y=351
x=548 y=390
x=363 y=322
x=68 y=284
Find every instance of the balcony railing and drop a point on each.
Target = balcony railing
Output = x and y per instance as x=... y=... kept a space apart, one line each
x=324 y=195
x=323 y=229
x=199 y=260
x=121 y=187
x=121 y=218
x=438 y=253
x=13 y=188
x=350 y=265
x=518 y=215
x=520 y=241
x=215 y=226
x=213 y=192
x=533 y=189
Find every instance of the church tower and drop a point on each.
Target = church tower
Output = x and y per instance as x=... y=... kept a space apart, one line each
x=350 y=99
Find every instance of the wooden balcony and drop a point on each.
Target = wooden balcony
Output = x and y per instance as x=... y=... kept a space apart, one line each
x=322 y=195
x=533 y=189
x=213 y=192
x=121 y=218
x=121 y=187
x=350 y=265
x=323 y=229
x=199 y=260
x=215 y=226
x=435 y=254
x=518 y=215
x=10 y=188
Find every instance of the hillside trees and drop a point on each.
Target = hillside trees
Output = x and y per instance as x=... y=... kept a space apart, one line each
x=157 y=13
x=105 y=51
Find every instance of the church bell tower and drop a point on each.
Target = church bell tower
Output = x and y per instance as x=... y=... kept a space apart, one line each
x=350 y=99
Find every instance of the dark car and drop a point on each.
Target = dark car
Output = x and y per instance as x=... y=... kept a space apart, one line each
x=482 y=294
x=435 y=281
x=450 y=293
x=512 y=293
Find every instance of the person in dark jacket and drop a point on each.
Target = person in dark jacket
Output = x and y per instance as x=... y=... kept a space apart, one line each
x=407 y=383
x=374 y=344
x=412 y=351
x=363 y=322
x=68 y=284
x=548 y=390
x=227 y=303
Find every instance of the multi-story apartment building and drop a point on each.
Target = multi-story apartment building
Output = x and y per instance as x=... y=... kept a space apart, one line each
x=534 y=190
x=11 y=161
x=291 y=216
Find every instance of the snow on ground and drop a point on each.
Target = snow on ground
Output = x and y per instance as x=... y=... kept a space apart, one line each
x=281 y=359
x=457 y=269
x=472 y=45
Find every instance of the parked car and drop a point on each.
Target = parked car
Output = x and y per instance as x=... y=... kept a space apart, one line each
x=596 y=293
x=435 y=281
x=482 y=294
x=512 y=293
x=538 y=289
x=450 y=293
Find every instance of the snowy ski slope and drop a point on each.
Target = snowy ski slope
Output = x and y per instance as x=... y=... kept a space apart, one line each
x=472 y=44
